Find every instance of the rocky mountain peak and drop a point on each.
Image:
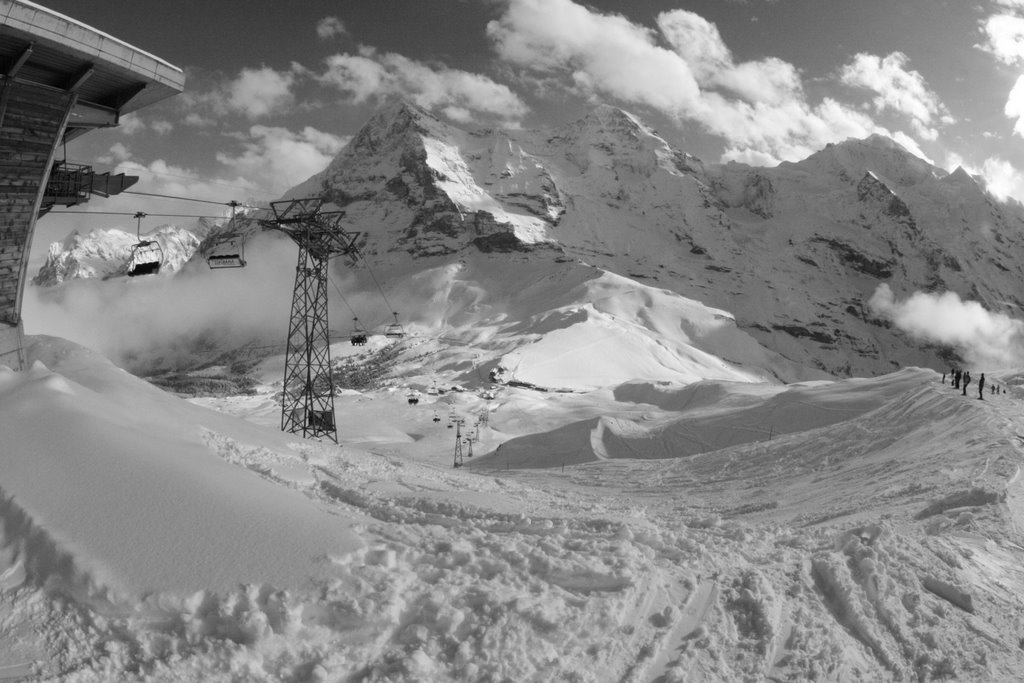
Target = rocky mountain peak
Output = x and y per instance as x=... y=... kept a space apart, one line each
x=961 y=178
x=399 y=123
x=884 y=157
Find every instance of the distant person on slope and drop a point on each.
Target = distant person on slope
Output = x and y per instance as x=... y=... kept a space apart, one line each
x=981 y=387
x=965 y=380
x=956 y=378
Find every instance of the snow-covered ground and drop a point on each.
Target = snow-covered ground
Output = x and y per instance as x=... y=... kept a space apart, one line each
x=866 y=529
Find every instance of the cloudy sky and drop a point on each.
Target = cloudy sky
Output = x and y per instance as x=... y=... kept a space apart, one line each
x=275 y=89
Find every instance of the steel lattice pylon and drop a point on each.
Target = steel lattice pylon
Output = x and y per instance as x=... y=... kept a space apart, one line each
x=307 y=406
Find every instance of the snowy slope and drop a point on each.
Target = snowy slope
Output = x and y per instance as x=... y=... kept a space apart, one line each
x=557 y=324
x=875 y=536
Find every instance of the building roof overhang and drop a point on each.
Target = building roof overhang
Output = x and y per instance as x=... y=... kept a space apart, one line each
x=110 y=77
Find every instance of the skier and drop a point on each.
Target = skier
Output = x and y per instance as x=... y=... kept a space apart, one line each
x=965 y=380
x=956 y=378
x=981 y=387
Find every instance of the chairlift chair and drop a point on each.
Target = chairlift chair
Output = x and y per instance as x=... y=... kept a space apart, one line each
x=146 y=256
x=359 y=336
x=229 y=253
x=394 y=330
x=228 y=248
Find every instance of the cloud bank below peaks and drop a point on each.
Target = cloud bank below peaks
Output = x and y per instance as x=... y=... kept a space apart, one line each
x=685 y=70
x=986 y=340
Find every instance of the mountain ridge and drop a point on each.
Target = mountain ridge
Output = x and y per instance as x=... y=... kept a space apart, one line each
x=608 y=191
x=794 y=251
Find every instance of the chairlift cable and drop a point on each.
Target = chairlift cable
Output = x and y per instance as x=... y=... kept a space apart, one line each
x=184 y=199
x=379 y=288
x=338 y=290
x=132 y=214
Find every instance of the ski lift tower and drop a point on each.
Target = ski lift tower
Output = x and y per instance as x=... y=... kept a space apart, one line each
x=307 y=406
x=458 y=442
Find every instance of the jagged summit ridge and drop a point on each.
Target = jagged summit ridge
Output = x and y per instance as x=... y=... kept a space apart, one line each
x=877 y=154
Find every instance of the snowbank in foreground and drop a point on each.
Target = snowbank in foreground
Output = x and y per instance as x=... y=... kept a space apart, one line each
x=117 y=484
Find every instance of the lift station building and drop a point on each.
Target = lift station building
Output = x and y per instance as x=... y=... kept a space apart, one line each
x=58 y=79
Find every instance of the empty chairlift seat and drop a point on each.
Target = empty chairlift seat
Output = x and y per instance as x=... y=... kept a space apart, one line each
x=394 y=330
x=146 y=256
x=229 y=252
x=145 y=259
x=227 y=249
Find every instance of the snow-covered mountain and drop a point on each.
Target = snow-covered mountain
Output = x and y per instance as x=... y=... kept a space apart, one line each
x=107 y=253
x=794 y=251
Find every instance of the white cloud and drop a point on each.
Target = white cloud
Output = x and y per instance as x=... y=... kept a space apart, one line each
x=987 y=340
x=118 y=153
x=133 y=124
x=130 y=124
x=699 y=43
x=1003 y=179
x=898 y=89
x=118 y=321
x=606 y=53
x=758 y=107
x=259 y=92
x=1015 y=106
x=277 y=158
x=330 y=27
x=162 y=126
x=197 y=120
x=456 y=93
x=254 y=93
x=1005 y=37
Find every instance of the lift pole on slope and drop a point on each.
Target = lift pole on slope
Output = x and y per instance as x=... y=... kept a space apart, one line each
x=458 y=442
x=307 y=406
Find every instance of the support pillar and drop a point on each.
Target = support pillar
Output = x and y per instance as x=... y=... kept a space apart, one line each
x=12 y=341
x=32 y=123
x=308 y=402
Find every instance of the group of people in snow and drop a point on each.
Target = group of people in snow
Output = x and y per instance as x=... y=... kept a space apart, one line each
x=961 y=378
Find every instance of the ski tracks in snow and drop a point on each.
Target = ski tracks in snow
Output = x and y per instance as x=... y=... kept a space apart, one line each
x=664 y=664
